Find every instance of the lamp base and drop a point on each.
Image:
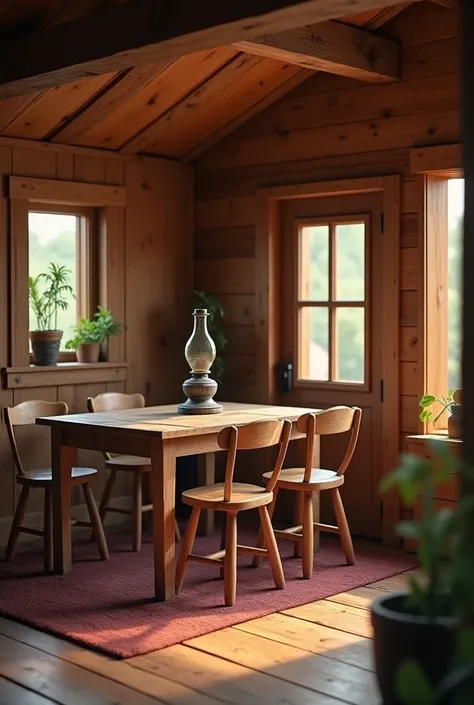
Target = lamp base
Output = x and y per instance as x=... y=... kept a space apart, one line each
x=200 y=389
x=200 y=407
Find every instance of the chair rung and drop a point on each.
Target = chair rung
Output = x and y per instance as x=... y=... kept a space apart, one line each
x=147 y=507
x=118 y=510
x=293 y=530
x=252 y=550
x=288 y=536
x=29 y=530
x=326 y=527
x=85 y=524
x=213 y=559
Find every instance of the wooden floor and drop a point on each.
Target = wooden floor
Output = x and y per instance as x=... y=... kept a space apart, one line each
x=318 y=653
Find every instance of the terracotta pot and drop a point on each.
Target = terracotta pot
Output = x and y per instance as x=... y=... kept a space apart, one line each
x=88 y=352
x=455 y=421
x=45 y=345
x=400 y=633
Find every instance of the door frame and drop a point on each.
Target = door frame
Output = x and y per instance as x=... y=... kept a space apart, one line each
x=268 y=282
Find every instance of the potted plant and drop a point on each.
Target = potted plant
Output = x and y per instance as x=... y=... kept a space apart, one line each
x=46 y=301
x=451 y=403
x=416 y=631
x=90 y=334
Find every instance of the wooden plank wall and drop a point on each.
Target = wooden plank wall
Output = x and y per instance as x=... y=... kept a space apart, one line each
x=330 y=128
x=146 y=256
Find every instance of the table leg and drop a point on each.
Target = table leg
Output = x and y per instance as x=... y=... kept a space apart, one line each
x=62 y=460
x=206 y=476
x=162 y=490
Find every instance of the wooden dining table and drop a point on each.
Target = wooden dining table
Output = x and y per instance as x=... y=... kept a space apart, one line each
x=158 y=433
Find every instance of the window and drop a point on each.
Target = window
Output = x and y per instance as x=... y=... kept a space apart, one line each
x=64 y=236
x=455 y=219
x=332 y=296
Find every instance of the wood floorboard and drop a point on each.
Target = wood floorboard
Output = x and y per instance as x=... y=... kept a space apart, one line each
x=319 y=653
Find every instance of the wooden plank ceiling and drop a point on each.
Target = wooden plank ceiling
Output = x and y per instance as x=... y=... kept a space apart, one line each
x=175 y=108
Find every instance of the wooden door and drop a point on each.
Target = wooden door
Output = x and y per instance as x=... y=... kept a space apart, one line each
x=331 y=332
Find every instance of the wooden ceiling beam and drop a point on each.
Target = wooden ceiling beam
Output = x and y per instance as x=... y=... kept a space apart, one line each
x=447 y=3
x=332 y=47
x=137 y=32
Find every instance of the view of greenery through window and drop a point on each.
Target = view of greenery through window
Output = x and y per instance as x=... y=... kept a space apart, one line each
x=349 y=286
x=53 y=238
x=455 y=220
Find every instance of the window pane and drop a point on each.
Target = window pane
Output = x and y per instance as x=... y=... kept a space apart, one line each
x=52 y=238
x=350 y=345
x=314 y=343
x=314 y=263
x=350 y=262
x=455 y=223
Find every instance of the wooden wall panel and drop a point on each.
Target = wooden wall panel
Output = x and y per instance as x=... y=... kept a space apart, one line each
x=149 y=285
x=331 y=128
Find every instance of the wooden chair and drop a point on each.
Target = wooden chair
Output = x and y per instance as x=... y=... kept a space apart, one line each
x=232 y=498
x=25 y=414
x=115 y=401
x=307 y=480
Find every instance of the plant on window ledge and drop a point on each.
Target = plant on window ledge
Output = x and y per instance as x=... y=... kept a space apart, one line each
x=90 y=334
x=215 y=328
x=48 y=295
x=451 y=403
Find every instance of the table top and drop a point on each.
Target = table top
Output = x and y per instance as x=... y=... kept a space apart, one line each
x=167 y=423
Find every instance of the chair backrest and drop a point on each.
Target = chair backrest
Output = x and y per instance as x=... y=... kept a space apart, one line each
x=25 y=414
x=337 y=419
x=114 y=401
x=258 y=434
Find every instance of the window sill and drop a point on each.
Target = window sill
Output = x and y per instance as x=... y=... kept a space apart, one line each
x=64 y=373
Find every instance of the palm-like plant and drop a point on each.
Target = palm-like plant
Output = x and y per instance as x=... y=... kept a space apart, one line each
x=46 y=302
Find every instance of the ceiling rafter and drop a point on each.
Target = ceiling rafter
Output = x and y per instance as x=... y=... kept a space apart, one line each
x=333 y=47
x=144 y=31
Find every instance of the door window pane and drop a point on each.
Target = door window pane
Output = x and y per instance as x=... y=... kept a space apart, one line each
x=314 y=343
x=53 y=239
x=314 y=263
x=350 y=262
x=349 y=353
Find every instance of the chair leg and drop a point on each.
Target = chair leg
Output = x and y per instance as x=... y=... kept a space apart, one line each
x=48 y=530
x=344 y=531
x=261 y=536
x=223 y=539
x=230 y=560
x=97 y=528
x=17 y=522
x=299 y=502
x=308 y=535
x=186 y=548
x=177 y=532
x=105 y=499
x=137 y=514
x=272 y=548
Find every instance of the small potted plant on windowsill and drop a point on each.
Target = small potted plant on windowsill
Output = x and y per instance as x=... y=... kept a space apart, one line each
x=90 y=334
x=45 y=304
x=451 y=403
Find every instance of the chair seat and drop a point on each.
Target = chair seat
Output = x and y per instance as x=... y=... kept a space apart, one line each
x=292 y=479
x=45 y=476
x=212 y=497
x=128 y=462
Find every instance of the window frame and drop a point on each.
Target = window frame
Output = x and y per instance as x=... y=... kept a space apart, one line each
x=87 y=259
x=332 y=304
x=108 y=203
x=435 y=166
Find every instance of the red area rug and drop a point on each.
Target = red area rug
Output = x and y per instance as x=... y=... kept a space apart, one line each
x=107 y=605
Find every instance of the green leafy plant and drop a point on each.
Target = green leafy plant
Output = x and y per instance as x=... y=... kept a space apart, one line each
x=46 y=301
x=447 y=586
x=427 y=401
x=215 y=328
x=95 y=330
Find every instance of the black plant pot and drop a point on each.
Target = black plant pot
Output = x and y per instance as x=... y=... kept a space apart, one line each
x=45 y=345
x=400 y=633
